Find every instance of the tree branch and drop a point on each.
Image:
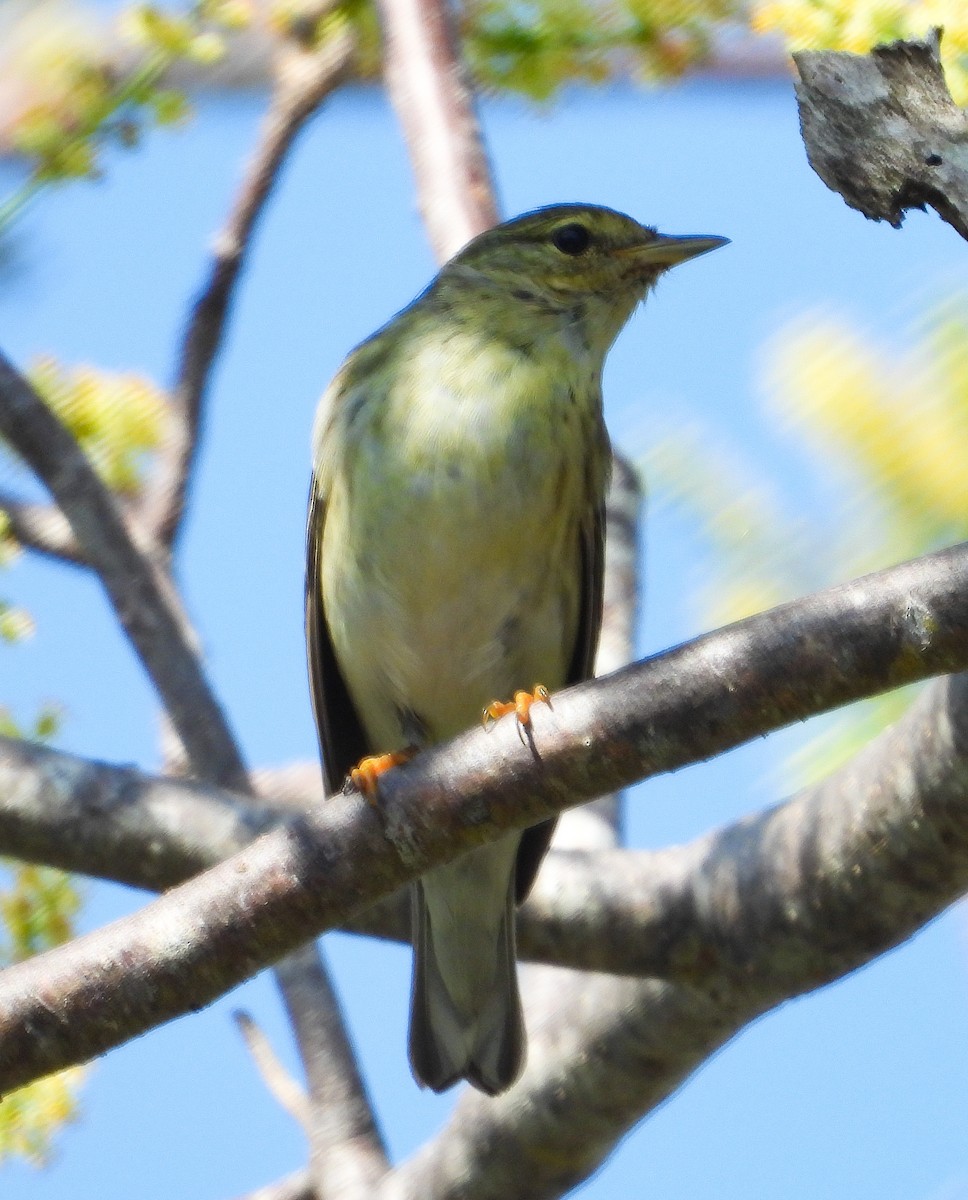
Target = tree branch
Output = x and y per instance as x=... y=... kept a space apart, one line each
x=297 y=1186
x=283 y=1088
x=699 y=699
x=755 y=914
x=146 y=604
x=41 y=527
x=882 y=130
x=347 y=1154
x=305 y=76
x=670 y=913
x=426 y=79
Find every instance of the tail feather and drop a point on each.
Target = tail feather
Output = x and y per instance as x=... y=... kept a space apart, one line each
x=483 y=1040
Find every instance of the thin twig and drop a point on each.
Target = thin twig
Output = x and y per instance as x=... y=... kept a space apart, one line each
x=305 y=77
x=280 y=1084
x=41 y=527
x=347 y=1154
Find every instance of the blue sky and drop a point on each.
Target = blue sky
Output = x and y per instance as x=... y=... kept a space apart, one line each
x=861 y=1090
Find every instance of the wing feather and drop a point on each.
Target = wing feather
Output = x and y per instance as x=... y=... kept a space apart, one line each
x=535 y=841
x=342 y=740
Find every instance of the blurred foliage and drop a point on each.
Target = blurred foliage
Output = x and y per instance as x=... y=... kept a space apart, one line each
x=856 y=27
x=38 y=909
x=70 y=91
x=301 y=21
x=64 y=97
x=31 y=1115
x=15 y=623
x=70 y=88
x=883 y=438
x=117 y=418
x=894 y=422
x=537 y=47
x=38 y=906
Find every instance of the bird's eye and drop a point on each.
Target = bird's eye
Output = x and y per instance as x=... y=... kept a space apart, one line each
x=571 y=239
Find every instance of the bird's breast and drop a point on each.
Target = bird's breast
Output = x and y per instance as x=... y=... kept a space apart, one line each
x=457 y=579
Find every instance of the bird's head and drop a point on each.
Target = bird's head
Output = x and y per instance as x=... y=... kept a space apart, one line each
x=582 y=260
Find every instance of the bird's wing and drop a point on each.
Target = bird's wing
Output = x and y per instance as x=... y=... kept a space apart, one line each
x=535 y=841
x=341 y=737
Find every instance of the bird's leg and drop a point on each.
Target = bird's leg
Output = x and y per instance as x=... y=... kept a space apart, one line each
x=521 y=705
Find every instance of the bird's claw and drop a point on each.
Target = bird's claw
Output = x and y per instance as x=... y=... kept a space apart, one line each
x=521 y=705
x=365 y=776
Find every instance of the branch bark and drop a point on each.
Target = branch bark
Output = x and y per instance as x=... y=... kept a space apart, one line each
x=41 y=527
x=883 y=131
x=304 y=77
x=145 y=602
x=426 y=79
x=183 y=950
x=756 y=914
x=127 y=557
x=346 y=1150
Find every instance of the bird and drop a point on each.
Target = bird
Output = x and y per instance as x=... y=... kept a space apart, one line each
x=455 y=548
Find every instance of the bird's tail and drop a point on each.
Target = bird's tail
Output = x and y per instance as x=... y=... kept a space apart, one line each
x=478 y=1036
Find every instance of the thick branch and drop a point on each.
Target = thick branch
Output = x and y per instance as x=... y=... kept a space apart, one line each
x=185 y=949
x=882 y=130
x=426 y=79
x=791 y=896
x=756 y=914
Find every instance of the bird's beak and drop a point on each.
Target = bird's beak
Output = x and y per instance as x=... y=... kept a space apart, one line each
x=666 y=251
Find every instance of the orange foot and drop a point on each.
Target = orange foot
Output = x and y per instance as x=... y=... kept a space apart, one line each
x=521 y=704
x=365 y=776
